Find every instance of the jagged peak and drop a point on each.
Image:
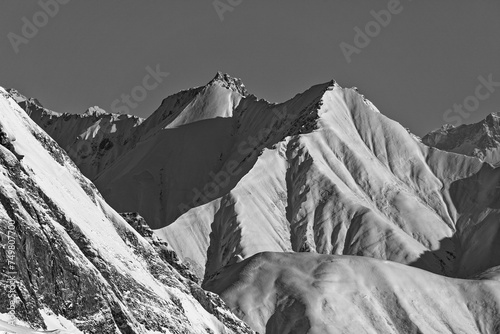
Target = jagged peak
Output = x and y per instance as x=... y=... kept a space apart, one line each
x=15 y=93
x=95 y=111
x=229 y=82
x=493 y=118
x=99 y=113
x=19 y=98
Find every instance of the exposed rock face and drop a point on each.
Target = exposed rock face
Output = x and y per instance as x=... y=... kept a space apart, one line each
x=79 y=264
x=480 y=140
x=161 y=246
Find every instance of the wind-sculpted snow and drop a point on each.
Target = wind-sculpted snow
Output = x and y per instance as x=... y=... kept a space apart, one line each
x=80 y=267
x=311 y=293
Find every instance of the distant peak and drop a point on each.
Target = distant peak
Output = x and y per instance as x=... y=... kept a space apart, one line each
x=227 y=81
x=493 y=115
x=95 y=111
x=14 y=91
x=20 y=98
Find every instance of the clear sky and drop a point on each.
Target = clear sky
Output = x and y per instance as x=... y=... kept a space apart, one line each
x=425 y=60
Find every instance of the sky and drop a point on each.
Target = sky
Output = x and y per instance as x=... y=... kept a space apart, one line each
x=417 y=61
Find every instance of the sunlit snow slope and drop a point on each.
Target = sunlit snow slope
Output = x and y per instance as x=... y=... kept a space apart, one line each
x=311 y=293
x=80 y=266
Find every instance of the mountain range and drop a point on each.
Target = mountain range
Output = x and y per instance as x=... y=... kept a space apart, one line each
x=480 y=140
x=316 y=215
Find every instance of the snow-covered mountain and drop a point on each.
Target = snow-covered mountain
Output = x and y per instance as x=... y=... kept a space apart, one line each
x=223 y=176
x=80 y=266
x=324 y=172
x=480 y=140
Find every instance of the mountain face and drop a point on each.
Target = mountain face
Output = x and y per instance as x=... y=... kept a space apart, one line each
x=224 y=178
x=480 y=140
x=80 y=267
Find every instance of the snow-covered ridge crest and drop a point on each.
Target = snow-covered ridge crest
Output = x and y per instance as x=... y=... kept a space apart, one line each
x=92 y=139
x=481 y=140
x=33 y=105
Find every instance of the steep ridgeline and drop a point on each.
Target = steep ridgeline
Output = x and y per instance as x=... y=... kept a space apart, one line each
x=80 y=266
x=222 y=176
x=480 y=140
x=93 y=140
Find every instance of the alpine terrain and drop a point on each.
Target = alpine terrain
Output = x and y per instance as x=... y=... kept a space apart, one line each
x=316 y=215
x=80 y=267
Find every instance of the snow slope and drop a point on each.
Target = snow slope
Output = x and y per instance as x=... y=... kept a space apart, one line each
x=77 y=259
x=311 y=293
